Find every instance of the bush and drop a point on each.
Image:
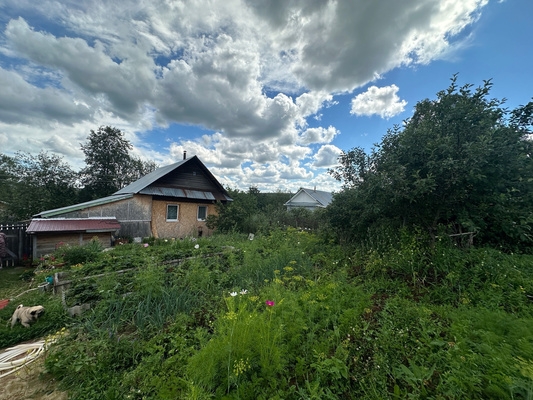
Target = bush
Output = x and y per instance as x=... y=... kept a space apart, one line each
x=73 y=255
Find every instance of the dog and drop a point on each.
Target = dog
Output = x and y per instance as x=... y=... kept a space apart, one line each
x=26 y=315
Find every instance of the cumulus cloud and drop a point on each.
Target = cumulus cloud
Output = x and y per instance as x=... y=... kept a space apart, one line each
x=382 y=101
x=250 y=71
x=326 y=157
x=318 y=135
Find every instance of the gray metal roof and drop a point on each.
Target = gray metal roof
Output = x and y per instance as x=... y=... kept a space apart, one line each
x=153 y=176
x=81 y=206
x=143 y=185
x=322 y=198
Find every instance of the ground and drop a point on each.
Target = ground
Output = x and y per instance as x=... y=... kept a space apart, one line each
x=30 y=382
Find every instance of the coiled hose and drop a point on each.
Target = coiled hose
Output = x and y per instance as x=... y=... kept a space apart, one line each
x=15 y=358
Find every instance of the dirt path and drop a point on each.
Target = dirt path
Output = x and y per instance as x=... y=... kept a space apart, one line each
x=30 y=382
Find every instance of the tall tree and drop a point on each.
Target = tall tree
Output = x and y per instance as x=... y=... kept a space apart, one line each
x=109 y=165
x=30 y=184
x=461 y=161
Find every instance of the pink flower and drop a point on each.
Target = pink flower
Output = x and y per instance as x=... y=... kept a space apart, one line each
x=146 y=245
x=269 y=303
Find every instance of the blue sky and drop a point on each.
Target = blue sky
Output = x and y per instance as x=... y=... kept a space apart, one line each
x=266 y=93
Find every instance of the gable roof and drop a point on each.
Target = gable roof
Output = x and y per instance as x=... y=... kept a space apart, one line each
x=321 y=198
x=154 y=183
x=109 y=224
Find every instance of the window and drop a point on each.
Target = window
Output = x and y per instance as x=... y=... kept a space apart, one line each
x=202 y=213
x=172 y=212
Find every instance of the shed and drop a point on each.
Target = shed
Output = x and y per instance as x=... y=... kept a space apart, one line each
x=48 y=233
x=310 y=199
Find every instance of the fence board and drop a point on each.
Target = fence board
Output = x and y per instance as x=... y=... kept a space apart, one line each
x=18 y=244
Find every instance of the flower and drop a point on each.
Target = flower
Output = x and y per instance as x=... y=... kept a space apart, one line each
x=233 y=294
x=196 y=246
x=146 y=245
x=269 y=303
x=244 y=291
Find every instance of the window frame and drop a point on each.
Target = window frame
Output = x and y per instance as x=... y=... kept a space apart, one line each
x=198 y=213
x=177 y=212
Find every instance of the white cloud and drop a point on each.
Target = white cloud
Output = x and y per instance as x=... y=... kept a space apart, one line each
x=382 y=101
x=252 y=71
x=326 y=157
x=318 y=135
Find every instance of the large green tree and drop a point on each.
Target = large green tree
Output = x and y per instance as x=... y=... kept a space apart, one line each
x=109 y=164
x=462 y=161
x=29 y=184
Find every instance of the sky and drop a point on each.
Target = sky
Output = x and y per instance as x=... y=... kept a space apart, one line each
x=267 y=93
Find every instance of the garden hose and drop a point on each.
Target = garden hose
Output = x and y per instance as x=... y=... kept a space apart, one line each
x=15 y=358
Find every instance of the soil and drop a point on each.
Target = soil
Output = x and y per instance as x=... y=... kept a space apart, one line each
x=30 y=382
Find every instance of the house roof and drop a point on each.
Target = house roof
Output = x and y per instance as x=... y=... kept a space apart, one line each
x=148 y=183
x=320 y=197
x=81 y=206
x=73 y=225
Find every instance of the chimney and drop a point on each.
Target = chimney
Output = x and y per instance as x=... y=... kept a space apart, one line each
x=184 y=155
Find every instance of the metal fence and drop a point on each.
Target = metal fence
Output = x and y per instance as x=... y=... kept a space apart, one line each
x=18 y=244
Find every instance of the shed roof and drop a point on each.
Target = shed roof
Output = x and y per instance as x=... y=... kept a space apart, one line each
x=73 y=225
x=82 y=206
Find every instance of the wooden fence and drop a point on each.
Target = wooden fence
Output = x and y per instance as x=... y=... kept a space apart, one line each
x=18 y=244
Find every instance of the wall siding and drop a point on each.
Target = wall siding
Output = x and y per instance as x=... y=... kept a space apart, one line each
x=46 y=243
x=133 y=214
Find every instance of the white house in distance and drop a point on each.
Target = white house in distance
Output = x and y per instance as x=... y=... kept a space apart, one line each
x=311 y=199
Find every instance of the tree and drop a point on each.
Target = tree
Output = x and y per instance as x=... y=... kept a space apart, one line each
x=109 y=165
x=35 y=183
x=461 y=161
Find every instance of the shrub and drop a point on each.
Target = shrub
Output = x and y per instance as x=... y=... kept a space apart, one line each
x=73 y=255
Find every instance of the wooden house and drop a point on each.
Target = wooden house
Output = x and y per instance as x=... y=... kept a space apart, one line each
x=171 y=202
x=310 y=199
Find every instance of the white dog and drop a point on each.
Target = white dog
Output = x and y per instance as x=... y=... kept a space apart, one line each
x=26 y=315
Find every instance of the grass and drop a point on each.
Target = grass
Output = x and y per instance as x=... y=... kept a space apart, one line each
x=287 y=316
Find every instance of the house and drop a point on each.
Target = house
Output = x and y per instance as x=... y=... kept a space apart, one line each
x=171 y=202
x=310 y=199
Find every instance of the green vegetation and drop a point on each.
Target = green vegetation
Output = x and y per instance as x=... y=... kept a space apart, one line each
x=460 y=164
x=288 y=316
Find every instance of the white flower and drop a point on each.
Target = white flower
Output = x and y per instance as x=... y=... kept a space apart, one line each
x=233 y=294
x=244 y=291
x=196 y=246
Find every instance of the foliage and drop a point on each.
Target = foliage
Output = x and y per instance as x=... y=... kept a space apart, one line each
x=255 y=212
x=287 y=315
x=73 y=255
x=461 y=161
x=109 y=165
x=30 y=184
